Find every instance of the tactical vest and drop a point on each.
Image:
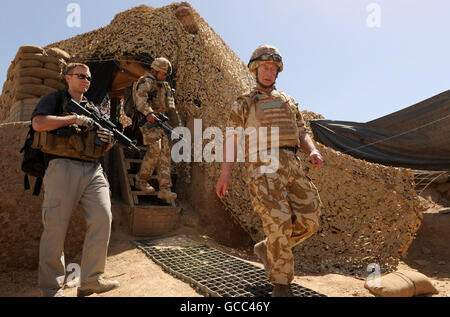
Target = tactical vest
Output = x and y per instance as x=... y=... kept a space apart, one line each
x=270 y=111
x=160 y=95
x=71 y=142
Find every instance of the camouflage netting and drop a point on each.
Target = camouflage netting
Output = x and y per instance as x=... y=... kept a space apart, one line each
x=33 y=73
x=370 y=213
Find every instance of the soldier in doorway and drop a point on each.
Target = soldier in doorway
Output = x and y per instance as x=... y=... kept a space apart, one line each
x=152 y=95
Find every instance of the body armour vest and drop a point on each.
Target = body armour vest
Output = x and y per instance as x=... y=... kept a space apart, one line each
x=160 y=96
x=271 y=122
x=71 y=141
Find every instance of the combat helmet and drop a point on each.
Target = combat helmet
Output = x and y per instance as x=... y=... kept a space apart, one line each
x=162 y=64
x=263 y=54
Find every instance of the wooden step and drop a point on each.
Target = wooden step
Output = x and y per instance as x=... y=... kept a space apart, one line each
x=128 y=161
x=136 y=193
x=131 y=160
x=132 y=176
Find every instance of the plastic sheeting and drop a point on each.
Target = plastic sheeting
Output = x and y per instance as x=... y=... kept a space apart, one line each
x=416 y=137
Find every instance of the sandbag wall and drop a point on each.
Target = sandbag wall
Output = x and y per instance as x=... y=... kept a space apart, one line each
x=33 y=73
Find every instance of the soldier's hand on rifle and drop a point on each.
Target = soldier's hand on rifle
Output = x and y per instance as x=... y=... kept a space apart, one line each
x=105 y=135
x=84 y=121
x=152 y=118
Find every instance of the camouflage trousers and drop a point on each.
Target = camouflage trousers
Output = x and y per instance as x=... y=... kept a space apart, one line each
x=289 y=206
x=157 y=156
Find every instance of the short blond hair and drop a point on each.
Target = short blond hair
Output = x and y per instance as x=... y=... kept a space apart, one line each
x=65 y=69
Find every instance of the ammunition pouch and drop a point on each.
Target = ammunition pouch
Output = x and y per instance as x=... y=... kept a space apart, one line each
x=80 y=146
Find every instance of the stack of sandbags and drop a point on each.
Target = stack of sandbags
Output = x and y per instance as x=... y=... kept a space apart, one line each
x=38 y=71
x=33 y=73
x=6 y=99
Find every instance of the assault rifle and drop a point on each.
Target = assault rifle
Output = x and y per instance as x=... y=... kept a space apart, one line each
x=75 y=107
x=161 y=123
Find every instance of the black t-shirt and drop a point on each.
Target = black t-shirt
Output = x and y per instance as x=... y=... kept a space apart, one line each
x=51 y=104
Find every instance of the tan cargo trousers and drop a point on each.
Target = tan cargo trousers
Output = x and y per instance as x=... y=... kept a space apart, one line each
x=67 y=183
x=289 y=206
x=158 y=156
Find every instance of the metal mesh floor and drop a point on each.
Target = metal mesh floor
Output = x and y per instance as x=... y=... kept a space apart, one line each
x=215 y=273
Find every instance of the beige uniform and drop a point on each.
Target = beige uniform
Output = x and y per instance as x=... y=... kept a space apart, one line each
x=155 y=96
x=286 y=200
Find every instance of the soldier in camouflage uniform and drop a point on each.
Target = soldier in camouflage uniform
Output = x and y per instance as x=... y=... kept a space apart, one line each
x=285 y=199
x=152 y=94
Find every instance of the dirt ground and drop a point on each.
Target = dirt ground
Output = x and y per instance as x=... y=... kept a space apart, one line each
x=139 y=276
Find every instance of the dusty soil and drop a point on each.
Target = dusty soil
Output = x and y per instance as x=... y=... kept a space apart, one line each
x=141 y=277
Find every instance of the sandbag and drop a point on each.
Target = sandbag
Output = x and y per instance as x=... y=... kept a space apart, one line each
x=29 y=63
x=30 y=49
x=38 y=72
x=28 y=80
x=11 y=68
x=40 y=57
x=57 y=84
x=36 y=90
x=57 y=52
x=402 y=283
x=22 y=96
x=52 y=66
x=31 y=101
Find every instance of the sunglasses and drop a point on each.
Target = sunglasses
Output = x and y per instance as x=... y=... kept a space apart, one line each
x=81 y=76
x=267 y=57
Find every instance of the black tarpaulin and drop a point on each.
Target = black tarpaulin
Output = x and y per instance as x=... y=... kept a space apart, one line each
x=103 y=74
x=416 y=137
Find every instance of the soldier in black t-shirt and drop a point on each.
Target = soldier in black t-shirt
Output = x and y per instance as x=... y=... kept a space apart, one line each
x=73 y=177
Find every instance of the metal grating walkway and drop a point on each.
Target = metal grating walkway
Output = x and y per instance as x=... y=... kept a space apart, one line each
x=215 y=273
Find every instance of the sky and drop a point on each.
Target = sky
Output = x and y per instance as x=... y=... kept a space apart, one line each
x=348 y=60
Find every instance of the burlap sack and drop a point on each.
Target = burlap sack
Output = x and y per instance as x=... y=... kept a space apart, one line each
x=30 y=49
x=31 y=101
x=27 y=63
x=22 y=96
x=56 y=52
x=38 y=72
x=52 y=66
x=56 y=84
x=11 y=68
x=36 y=90
x=28 y=80
x=402 y=283
x=40 y=57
